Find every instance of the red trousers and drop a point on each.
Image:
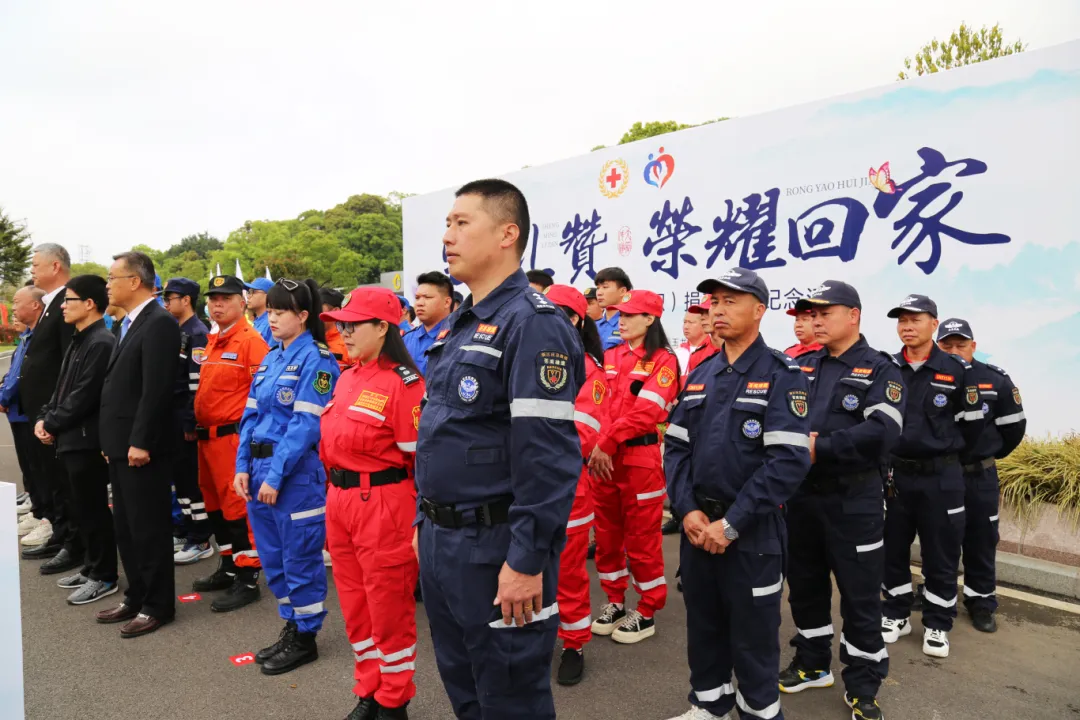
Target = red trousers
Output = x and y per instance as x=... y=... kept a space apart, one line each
x=575 y=619
x=629 y=509
x=227 y=510
x=375 y=570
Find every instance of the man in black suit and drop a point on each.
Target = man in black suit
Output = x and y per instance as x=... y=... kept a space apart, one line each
x=50 y=269
x=137 y=427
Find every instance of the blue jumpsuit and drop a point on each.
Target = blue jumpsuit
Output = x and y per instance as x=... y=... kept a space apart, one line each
x=737 y=446
x=287 y=398
x=836 y=520
x=943 y=416
x=497 y=464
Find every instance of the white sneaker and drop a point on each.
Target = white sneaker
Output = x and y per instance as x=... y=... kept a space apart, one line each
x=699 y=713
x=27 y=524
x=24 y=507
x=935 y=643
x=634 y=628
x=326 y=558
x=39 y=535
x=192 y=553
x=893 y=630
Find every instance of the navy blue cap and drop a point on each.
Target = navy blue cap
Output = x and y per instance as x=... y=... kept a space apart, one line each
x=182 y=286
x=225 y=285
x=458 y=297
x=590 y=294
x=739 y=279
x=261 y=284
x=331 y=297
x=830 y=292
x=404 y=301
x=955 y=326
x=914 y=304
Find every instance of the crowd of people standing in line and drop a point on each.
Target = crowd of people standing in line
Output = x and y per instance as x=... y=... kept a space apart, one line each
x=472 y=454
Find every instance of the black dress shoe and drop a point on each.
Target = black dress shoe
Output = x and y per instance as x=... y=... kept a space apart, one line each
x=671 y=527
x=60 y=562
x=283 y=639
x=366 y=709
x=591 y=553
x=300 y=650
x=41 y=552
x=571 y=667
x=983 y=620
x=398 y=713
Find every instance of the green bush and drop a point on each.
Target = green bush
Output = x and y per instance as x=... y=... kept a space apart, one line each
x=1043 y=471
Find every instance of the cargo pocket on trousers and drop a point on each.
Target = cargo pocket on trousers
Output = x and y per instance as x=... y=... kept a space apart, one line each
x=309 y=531
x=864 y=528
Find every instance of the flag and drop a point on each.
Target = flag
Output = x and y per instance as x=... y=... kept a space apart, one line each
x=218 y=269
x=268 y=273
x=239 y=272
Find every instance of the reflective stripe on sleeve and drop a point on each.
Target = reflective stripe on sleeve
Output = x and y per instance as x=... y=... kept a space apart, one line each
x=679 y=432
x=887 y=410
x=308 y=407
x=535 y=407
x=587 y=419
x=653 y=397
x=780 y=437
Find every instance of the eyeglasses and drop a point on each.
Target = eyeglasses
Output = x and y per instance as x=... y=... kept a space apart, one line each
x=110 y=278
x=346 y=328
x=72 y=299
x=289 y=285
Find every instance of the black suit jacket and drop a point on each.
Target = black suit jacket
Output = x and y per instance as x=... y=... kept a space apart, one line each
x=136 y=400
x=41 y=366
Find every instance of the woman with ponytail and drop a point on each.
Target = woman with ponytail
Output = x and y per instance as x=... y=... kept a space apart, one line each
x=590 y=416
x=279 y=473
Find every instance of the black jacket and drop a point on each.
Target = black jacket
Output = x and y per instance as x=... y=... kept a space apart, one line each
x=41 y=366
x=137 y=399
x=72 y=413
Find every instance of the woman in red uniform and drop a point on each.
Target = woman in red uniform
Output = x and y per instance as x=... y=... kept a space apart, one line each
x=369 y=446
x=628 y=478
x=590 y=414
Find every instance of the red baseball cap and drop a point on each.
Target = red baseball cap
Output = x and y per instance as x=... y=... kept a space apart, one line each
x=568 y=297
x=641 y=302
x=701 y=308
x=793 y=312
x=367 y=303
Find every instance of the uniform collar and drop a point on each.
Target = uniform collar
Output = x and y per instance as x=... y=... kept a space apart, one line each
x=228 y=334
x=935 y=360
x=297 y=346
x=748 y=358
x=511 y=287
x=434 y=332
x=852 y=355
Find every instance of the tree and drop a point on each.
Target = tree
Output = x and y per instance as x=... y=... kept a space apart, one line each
x=202 y=245
x=14 y=250
x=639 y=131
x=963 y=47
x=89 y=268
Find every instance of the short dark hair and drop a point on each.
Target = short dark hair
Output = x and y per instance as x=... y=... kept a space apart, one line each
x=616 y=275
x=541 y=278
x=331 y=297
x=437 y=279
x=142 y=266
x=505 y=203
x=90 y=287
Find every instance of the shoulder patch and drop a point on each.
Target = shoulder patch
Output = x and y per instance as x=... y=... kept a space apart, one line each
x=322 y=346
x=539 y=302
x=890 y=357
x=786 y=359
x=998 y=370
x=962 y=361
x=407 y=376
x=324 y=352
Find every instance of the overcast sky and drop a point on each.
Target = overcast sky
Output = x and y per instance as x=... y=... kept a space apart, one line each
x=141 y=122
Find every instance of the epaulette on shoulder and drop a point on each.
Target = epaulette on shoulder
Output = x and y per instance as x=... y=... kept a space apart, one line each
x=408 y=375
x=324 y=350
x=996 y=369
x=595 y=361
x=890 y=357
x=786 y=359
x=323 y=346
x=962 y=361
x=539 y=302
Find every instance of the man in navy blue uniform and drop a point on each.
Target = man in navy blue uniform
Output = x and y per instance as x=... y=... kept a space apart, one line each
x=737 y=446
x=925 y=493
x=836 y=520
x=497 y=463
x=1005 y=426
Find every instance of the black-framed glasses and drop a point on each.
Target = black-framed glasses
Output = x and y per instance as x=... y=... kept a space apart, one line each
x=72 y=299
x=346 y=328
x=289 y=285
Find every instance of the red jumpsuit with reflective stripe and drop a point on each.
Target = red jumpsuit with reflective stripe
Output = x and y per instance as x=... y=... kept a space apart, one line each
x=630 y=506
x=368 y=426
x=699 y=356
x=590 y=415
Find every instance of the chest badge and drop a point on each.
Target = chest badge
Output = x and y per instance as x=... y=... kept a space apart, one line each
x=198 y=355
x=940 y=400
x=285 y=396
x=986 y=409
x=797 y=403
x=752 y=429
x=851 y=402
x=972 y=394
x=468 y=389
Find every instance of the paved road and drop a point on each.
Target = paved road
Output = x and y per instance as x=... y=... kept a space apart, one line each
x=77 y=668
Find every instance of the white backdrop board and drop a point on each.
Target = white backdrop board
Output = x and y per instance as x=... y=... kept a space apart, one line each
x=11 y=657
x=980 y=214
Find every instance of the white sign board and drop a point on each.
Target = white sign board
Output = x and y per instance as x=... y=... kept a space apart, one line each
x=11 y=658
x=977 y=211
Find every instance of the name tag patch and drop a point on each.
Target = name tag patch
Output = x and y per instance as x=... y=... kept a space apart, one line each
x=229 y=356
x=862 y=371
x=292 y=368
x=757 y=388
x=695 y=387
x=944 y=378
x=485 y=333
x=442 y=334
x=372 y=401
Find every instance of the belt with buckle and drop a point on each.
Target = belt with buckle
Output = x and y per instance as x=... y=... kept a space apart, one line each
x=923 y=466
x=346 y=479
x=828 y=484
x=642 y=440
x=490 y=513
x=979 y=466
x=713 y=508
x=260 y=451
x=205 y=433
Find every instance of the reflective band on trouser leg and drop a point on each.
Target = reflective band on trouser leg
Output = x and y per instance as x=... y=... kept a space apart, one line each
x=265 y=528
x=610 y=550
x=754 y=622
x=708 y=631
x=303 y=540
x=644 y=542
x=575 y=622
x=981 y=499
x=809 y=584
x=941 y=535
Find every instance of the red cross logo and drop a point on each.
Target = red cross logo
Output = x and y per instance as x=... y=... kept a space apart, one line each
x=613 y=177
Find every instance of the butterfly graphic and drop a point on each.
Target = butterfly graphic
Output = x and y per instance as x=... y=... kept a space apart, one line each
x=880 y=179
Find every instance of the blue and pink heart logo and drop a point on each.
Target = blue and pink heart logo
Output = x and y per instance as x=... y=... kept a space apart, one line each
x=658 y=171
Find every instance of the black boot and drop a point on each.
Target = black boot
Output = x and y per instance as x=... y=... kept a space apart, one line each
x=590 y=554
x=398 y=713
x=244 y=591
x=220 y=579
x=366 y=709
x=300 y=650
x=672 y=526
x=571 y=667
x=283 y=640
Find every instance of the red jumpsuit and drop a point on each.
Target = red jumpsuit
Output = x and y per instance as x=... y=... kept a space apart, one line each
x=699 y=356
x=226 y=367
x=629 y=507
x=591 y=415
x=370 y=426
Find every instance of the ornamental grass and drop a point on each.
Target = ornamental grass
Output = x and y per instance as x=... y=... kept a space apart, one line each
x=1041 y=471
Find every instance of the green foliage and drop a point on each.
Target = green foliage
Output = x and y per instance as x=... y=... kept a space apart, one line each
x=640 y=131
x=89 y=268
x=1042 y=471
x=963 y=47
x=14 y=251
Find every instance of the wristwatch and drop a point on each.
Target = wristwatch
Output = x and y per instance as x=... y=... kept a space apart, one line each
x=729 y=532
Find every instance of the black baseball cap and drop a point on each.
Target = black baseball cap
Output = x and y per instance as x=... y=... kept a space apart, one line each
x=955 y=326
x=225 y=285
x=182 y=286
x=914 y=304
x=590 y=294
x=740 y=279
x=458 y=298
x=830 y=292
x=331 y=297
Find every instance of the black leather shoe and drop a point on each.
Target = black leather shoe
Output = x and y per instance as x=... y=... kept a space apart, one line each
x=300 y=650
x=283 y=639
x=41 y=552
x=60 y=562
x=366 y=709
x=984 y=621
x=220 y=579
x=398 y=713
x=571 y=667
x=591 y=554
x=417 y=594
x=671 y=527
x=244 y=591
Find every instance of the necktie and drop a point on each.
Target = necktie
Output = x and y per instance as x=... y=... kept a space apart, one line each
x=124 y=325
